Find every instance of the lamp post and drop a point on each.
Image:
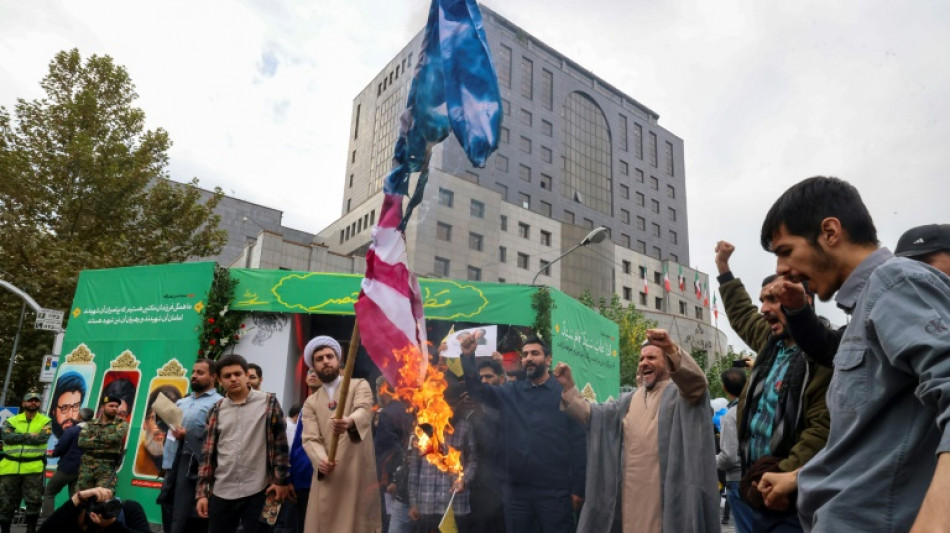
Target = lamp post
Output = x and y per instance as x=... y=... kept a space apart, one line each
x=595 y=236
x=27 y=301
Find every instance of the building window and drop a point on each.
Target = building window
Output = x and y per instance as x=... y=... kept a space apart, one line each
x=587 y=154
x=446 y=197
x=643 y=299
x=477 y=209
x=348 y=205
x=671 y=213
x=524 y=230
x=353 y=157
x=342 y=233
x=441 y=267
x=674 y=258
x=504 y=135
x=546 y=154
x=527 y=78
x=654 y=183
x=526 y=117
x=546 y=238
x=544 y=267
x=639 y=176
x=658 y=277
x=641 y=247
x=670 y=191
x=698 y=312
x=656 y=230
x=624 y=168
x=474 y=273
x=668 y=157
x=626 y=267
x=502 y=190
x=545 y=182
x=504 y=66
x=547 y=89
x=624 y=216
x=588 y=223
x=656 y=253
x=655 y=206
x=351 y=180
x=547 y=128
x=638 y=141
x=624 y=192
x=640 y=199
x=501 y=163
x=658 y=303
x=523 y=261
x=525 y=145
x=475 y=242
x=674 y=238
x=546 y=209
x=524 y=172
x=625 y=240
x=568 y=217
x=502 y=254
x=505 y=107
x=651 y=149
x=682 y=308
x=504 y=223
x=525 y=200
x=627 y=293
x=443 y=231
x=623 y=133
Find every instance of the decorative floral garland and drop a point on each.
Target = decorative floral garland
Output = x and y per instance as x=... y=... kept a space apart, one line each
x=220 y=326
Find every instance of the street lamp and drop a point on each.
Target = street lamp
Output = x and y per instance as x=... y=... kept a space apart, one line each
x=595 y=236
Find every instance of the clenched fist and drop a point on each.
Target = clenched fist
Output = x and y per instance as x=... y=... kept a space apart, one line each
x=723 y=253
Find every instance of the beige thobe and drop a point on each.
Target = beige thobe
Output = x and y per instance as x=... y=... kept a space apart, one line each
x=347 y=500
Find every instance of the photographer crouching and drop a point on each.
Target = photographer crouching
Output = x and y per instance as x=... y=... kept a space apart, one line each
x=95 y=510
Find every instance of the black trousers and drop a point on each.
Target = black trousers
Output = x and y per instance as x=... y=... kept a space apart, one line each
x=225 y=515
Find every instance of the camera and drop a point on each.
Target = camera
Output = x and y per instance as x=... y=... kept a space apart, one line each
x=106 y=510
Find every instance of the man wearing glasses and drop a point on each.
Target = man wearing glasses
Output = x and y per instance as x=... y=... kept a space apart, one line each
x=21 y=469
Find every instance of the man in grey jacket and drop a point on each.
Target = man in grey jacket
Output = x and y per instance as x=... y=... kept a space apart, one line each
x=885 y=466
x=727 y=460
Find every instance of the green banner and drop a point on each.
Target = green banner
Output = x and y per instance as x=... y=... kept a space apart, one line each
x=132 y=333
x=328 y=293
x=587 y=342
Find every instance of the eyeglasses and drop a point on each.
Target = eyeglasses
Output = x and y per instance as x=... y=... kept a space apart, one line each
x=68 y=407
x=311 y=372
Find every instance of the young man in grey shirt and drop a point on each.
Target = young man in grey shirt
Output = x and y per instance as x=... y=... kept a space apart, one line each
x=885 y=466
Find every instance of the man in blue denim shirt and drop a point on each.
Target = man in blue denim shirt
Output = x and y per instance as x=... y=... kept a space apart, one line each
x=884 y=467
x=183 y=453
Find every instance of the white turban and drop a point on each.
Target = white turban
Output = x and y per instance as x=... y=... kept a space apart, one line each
x=322 y=341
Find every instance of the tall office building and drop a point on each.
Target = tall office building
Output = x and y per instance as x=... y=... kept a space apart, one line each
x=576 y=153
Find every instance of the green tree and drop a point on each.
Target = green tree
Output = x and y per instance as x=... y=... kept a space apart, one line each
x=83 y=185
x=632 y=326
x=714 y=371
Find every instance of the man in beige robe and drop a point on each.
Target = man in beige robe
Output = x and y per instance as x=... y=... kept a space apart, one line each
x=345 y=493
x=651 y=454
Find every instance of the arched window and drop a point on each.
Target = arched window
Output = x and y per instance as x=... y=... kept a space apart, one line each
x=587 y=154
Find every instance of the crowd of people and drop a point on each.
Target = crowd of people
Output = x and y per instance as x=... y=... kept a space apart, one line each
x=826 y=429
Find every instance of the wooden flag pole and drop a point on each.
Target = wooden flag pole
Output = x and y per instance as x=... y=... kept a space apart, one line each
x=345 y=386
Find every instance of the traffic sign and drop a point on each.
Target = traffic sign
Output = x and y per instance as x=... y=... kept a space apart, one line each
x=48 y=368
x=7 y=412
x=49 y=319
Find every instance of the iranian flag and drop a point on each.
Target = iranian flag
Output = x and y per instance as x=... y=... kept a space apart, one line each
x=646 y=286
x=706 y=295
x=715 y=308
x=682 y=280
x=697 y=286
x=666 y=279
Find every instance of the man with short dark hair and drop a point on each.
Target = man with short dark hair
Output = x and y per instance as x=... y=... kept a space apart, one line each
x=245 y=453
x=885 y=465
x=77 y=515
x=781 y=416
x=183 y=453
x=727 y=460
x=546 y=459
x=254 y=376
x=102 y=441
x=491 y=372
x=647 y=447
x=928 y=244
x=21 y=468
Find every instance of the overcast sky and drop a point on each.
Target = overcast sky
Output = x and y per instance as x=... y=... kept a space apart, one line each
x=257 y=96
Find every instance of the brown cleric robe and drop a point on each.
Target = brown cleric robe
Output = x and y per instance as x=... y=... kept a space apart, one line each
x=348 y=498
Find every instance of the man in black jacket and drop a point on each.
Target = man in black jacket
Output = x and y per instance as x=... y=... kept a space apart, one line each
x=80 y=515
x=67 y=469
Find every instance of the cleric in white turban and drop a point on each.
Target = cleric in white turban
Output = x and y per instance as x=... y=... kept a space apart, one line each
x=343 y=494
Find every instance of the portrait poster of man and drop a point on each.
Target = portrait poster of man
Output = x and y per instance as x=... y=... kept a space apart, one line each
x=71 y=392
x=484 y=339
x=154 y=430
x=121 y=381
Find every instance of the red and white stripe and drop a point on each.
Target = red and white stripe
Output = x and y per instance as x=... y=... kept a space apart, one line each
x=389 y=308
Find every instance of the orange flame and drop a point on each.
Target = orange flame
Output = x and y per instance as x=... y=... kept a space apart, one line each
x=422 y=387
